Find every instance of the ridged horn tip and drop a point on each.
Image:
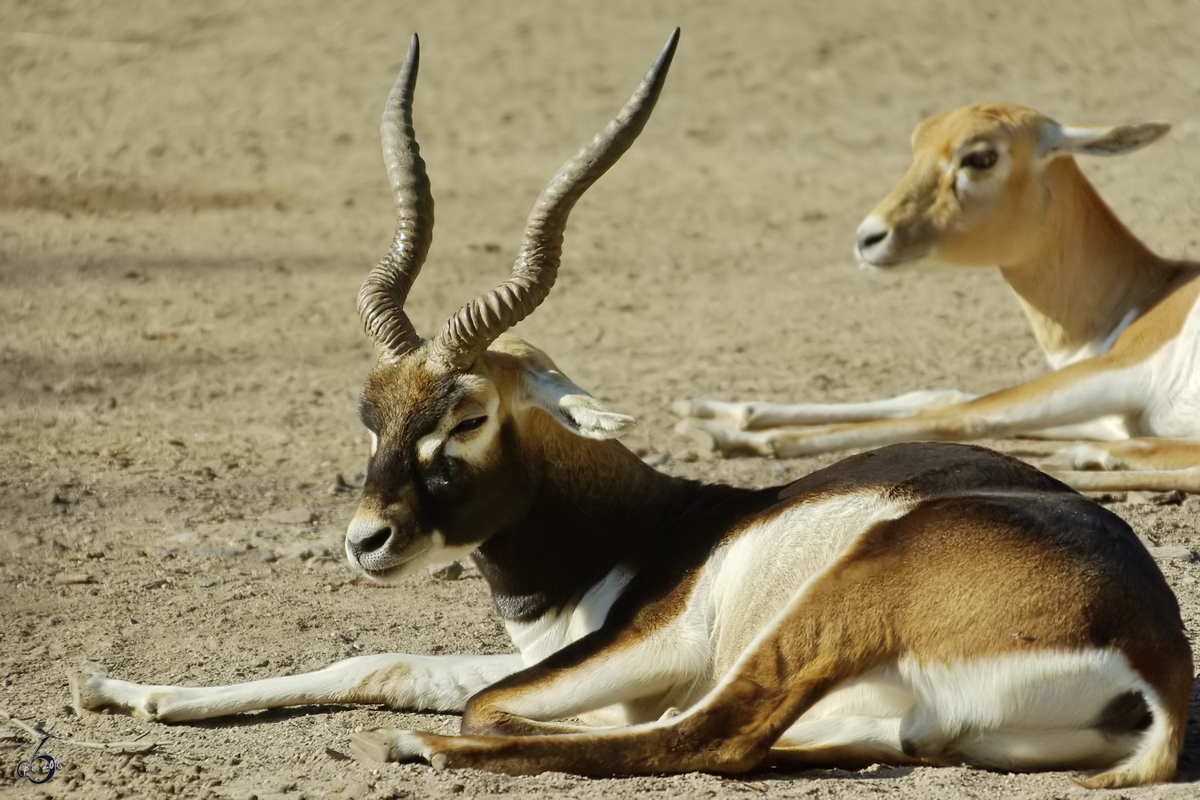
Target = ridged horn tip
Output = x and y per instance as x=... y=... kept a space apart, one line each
x=382 y=297
x=477 y=324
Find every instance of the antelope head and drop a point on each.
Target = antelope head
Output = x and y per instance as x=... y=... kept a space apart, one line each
x=453 y=419
x=980 y=183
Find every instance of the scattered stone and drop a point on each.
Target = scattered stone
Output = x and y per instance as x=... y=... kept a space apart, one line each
x=208 y=583
x=655 y=459
x=292 y=516
x=1155 y=498
x=358 y=790
x=323 y=559
x=340 y=486
x=335 y=755
x=446 y=572
x=70 y=578
x=77 y=386
x=1172 y=553
x=269 y=557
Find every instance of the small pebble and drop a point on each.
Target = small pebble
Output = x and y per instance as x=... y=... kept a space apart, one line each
x=446 y=572
x=69 y=578
x=292 y=516
x=1172 y=553
x=1155 y=498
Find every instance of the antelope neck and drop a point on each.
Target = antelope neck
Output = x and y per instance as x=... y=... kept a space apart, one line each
x=587 y=519
x=1088 y=274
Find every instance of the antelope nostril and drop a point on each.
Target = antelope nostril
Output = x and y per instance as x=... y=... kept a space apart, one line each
x=375 y=541
x=872 y=238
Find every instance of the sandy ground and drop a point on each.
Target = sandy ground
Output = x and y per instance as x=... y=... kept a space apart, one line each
x=191 y=194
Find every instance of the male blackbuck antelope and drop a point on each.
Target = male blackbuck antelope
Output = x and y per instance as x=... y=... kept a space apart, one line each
x=997 y=184
x=921 y=604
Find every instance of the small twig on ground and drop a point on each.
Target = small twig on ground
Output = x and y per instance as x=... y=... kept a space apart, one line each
x=36 y=733
x=130 y=748
x=745 y=785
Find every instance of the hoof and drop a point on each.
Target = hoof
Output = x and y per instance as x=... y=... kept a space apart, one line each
x=85 y=685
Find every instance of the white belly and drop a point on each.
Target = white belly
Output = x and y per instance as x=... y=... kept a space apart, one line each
x=1172 y=375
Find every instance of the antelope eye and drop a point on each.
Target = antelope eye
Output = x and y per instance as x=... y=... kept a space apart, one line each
x=469 y=424
x=980 y=159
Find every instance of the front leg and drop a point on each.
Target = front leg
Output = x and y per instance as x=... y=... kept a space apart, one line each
x=1133 y=465
x=758 y=415
x=421 y=683
x=1071 y=396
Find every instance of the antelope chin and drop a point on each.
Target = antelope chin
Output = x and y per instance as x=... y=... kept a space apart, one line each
x=436 y=551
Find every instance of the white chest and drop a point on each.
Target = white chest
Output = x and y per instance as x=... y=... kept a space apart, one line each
x=539 y=638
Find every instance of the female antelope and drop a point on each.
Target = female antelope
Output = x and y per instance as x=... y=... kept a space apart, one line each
x=997 y=184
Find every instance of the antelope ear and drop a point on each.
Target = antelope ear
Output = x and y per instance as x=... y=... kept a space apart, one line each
x=1115 y=140
x=575 y=409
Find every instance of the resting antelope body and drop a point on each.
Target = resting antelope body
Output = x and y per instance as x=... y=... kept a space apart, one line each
x=921 y=604
x=997 y=184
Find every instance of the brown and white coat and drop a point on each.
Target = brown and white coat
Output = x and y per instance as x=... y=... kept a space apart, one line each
x=920 y=604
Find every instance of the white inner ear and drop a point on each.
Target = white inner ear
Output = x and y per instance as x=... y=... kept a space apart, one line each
x=592 y=419
x=1106 y=141
x=575 y=409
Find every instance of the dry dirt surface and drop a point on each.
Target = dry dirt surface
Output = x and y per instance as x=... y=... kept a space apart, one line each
x=191 y=194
